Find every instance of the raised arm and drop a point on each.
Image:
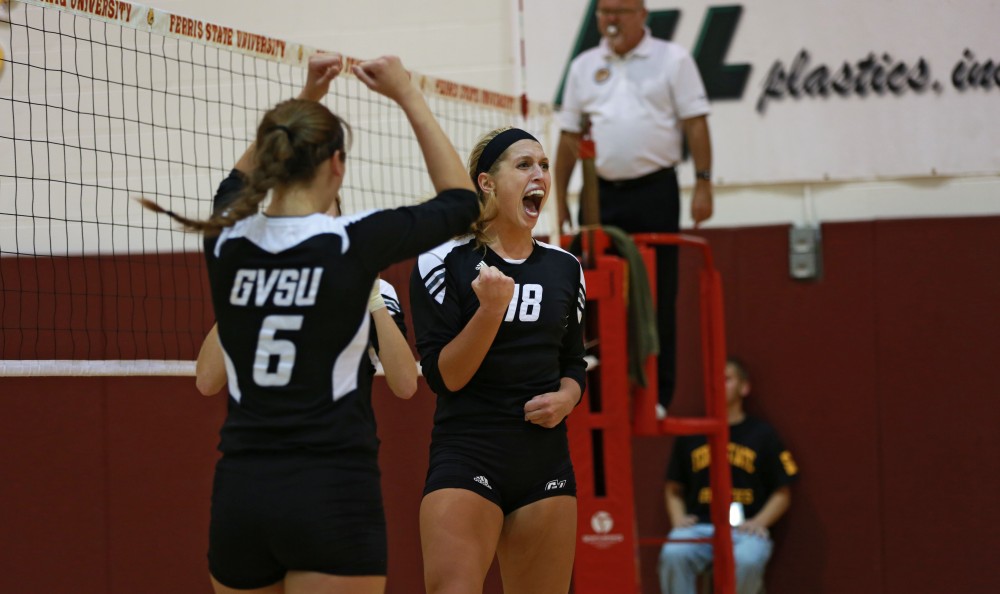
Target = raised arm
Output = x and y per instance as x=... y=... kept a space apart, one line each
x=323 y=68
x=387 y=76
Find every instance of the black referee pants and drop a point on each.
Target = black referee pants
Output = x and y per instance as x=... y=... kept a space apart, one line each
x=651 y=204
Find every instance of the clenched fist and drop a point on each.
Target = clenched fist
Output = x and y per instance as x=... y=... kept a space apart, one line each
x=494 y=289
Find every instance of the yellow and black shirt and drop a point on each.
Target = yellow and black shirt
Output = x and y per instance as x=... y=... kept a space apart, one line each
x=759 y=462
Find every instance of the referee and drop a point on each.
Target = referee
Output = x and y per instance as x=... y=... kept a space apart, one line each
x=643 y=97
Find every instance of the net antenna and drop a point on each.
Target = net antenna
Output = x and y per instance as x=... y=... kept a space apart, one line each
x=101 y=102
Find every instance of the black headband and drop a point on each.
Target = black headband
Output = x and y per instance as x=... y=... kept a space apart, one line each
x=496 y=147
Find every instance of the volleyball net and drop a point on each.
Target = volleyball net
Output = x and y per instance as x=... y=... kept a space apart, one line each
x=101 y=102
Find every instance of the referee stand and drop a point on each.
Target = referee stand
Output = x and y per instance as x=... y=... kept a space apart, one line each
x=612 y=411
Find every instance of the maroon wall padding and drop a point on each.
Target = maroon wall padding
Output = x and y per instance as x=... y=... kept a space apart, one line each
x=938 y=345
x=53 y=487
x=105 y=484
x=112 y=307
x=161 y=437
x=879 y=377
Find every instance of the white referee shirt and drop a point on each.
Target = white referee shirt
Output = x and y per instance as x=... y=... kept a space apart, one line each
x=636 y=103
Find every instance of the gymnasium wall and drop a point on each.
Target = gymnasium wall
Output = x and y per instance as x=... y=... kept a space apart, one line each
x=879 y=377
x=809 y=157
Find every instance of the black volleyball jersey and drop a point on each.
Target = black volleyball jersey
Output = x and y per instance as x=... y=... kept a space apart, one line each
x=290 y=296
x=539 y=342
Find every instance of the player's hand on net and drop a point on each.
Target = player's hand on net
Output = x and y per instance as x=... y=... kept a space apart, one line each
x=323 y=68
x=385 y=76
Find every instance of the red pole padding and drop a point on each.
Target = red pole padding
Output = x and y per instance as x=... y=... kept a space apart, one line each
x=714 y=345
x=601 y=445
x=600 y=433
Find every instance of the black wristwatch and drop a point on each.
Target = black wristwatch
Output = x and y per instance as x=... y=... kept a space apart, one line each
x=705 y=174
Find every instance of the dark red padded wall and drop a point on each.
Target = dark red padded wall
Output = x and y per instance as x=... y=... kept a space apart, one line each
x=796 y=338
x=877 y=376
x=53 y=495
x=106 y=484
x=938 y=337
x=161 y=436
x=111 y=307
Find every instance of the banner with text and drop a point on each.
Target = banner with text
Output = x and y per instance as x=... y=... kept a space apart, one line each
x=813 y=90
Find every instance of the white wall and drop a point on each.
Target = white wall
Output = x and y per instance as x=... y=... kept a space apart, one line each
x=464 y=41
x=471 y=42
x=474 y=42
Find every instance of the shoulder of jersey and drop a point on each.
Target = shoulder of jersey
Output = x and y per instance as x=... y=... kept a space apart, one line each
x=558 y=250
x=276 y=235
x=431 y=266
x=353 y=218
x=390 y=297
x=554 y=248
x=386 y=288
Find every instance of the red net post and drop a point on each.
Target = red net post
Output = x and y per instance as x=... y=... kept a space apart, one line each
x=600 y=431
x=601 y=442
x=715 y=424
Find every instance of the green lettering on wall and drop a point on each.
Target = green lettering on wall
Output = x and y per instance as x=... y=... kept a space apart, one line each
x=722 y=81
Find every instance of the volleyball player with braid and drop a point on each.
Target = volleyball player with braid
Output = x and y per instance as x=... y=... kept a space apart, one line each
x=296 y=503
x=387 y=337
x=497 y=317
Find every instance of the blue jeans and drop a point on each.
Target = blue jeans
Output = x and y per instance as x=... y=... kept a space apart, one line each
x=681 y=562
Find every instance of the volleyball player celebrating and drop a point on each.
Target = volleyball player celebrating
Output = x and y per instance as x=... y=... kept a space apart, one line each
x=296 y=504
x=497 y=316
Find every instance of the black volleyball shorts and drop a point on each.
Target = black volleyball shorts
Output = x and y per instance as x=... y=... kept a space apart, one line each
x=511 y=469
x=275 y=513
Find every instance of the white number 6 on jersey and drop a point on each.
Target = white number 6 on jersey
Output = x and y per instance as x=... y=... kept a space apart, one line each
x=268 y=346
